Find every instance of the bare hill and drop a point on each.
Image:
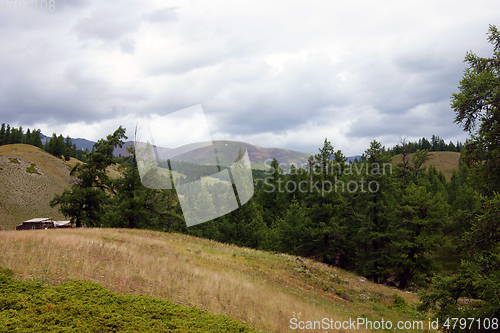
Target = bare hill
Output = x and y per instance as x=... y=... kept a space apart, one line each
x=227 y=152
x=29 y=178
x=444 y=161
x=260 y=158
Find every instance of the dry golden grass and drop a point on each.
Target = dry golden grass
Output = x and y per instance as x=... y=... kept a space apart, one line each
x=114 y=171
x=262 y=289
x=72 y=162
x=444 y=161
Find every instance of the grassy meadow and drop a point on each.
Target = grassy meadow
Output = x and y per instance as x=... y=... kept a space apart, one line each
x=444 y=161
x=261 y=289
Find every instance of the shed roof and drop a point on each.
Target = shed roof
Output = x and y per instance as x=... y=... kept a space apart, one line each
x=39 y=219
x=61 y=223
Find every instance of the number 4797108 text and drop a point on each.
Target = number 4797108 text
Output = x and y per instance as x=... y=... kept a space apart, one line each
x=26 y=5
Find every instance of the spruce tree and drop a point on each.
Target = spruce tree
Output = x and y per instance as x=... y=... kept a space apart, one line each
x=472 y=292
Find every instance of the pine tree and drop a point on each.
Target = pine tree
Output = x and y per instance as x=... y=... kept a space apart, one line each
x=27 y=138
x=272 y=194
x=377 y=207
x=20 y=135
x=323 y=158
x=416 y=233
x=293 y=236
x=2 y=134
x=477 y=107
x=36 y=140
x=85 y=203
x=7 y=139
x=135 y=206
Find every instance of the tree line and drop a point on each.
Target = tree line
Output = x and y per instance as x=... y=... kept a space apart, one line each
x=56 y=145
x=435 y=144
x=11 y=135
x=64 y=148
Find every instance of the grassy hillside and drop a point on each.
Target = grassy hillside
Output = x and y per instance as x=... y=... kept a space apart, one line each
x=444 y=161
x=29 y=177
x=262 y=289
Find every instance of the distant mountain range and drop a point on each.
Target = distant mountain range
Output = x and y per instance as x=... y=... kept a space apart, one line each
x=227 y=152
x=83 y=143
x=80 y=143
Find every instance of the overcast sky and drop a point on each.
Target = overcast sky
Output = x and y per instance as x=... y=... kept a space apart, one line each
x=281 y=74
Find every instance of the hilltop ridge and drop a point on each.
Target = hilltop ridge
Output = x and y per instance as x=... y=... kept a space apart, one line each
x=227 y=152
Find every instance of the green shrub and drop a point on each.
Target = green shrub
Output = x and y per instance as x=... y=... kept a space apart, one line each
x=6 y=271
x=31 y=169
x=399 y=301
x=82 y=306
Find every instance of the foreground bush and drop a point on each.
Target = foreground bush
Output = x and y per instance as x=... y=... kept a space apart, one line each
x=82 y=306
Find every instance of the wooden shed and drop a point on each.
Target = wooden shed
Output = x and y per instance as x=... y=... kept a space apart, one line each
x=36 y=223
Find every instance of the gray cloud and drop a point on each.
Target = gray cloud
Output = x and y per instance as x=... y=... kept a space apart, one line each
x=106 y=26
x=61 y=5
x=279 y=75
x=127 y=46
x=162 y=15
